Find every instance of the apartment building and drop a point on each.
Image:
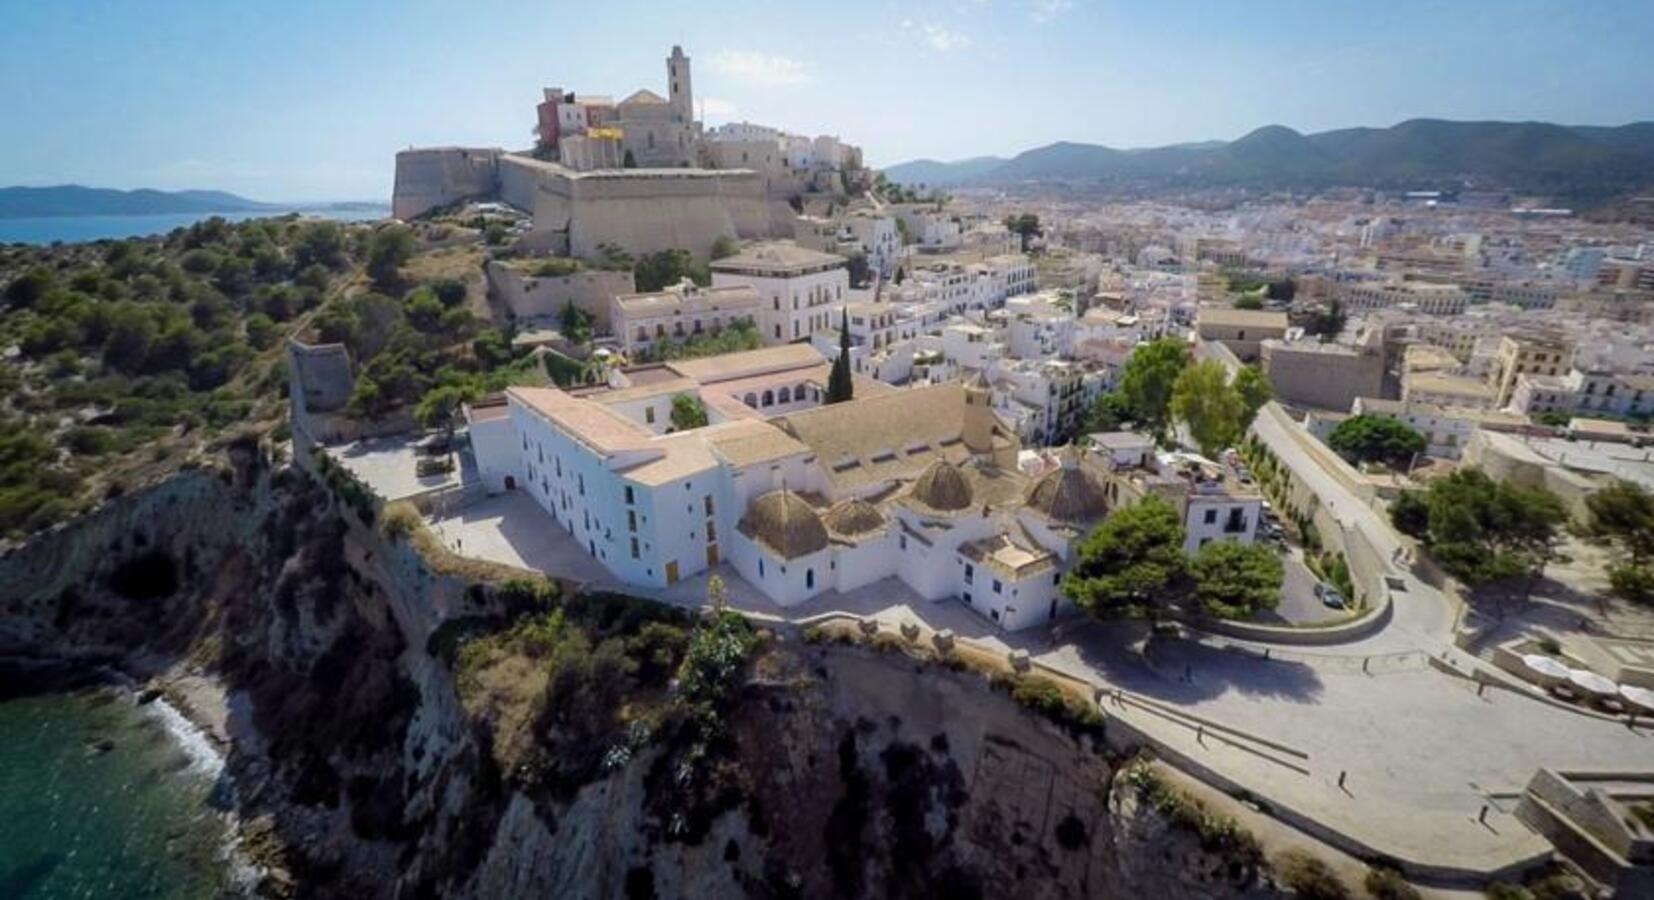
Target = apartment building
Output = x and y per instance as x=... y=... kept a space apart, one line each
x=800 y=289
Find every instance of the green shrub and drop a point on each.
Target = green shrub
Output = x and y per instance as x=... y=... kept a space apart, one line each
x=1309 y=876
x=1387 y=884
x=1504 y=890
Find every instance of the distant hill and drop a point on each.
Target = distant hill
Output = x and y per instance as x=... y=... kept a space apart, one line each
x=75 y=200
x=1531 y=156
x=931 y=173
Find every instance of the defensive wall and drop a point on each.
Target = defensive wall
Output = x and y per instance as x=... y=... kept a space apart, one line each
x=528 y=296
x=437 y=176
x=637 y=210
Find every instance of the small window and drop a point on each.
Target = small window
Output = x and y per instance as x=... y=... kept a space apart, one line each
x=998 y=588
x=630 y=496
x=1211 y=516
x=707 y=502
x=809 y=579
x=649 y=414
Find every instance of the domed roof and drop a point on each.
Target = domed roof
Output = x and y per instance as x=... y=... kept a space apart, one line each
x=854 y=517
x=1068 y=494
x=785 y=523
x=943 y=486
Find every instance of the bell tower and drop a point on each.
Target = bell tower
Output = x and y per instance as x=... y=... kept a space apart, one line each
x=978 y=430
x=680 y=93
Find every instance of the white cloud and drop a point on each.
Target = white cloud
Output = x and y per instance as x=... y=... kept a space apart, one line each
x=716 y=107
x=1046 y=10
x=756 y=67
x=938 y=37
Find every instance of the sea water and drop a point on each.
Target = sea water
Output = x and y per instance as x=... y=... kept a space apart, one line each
x=100 y=797
x=73 y=229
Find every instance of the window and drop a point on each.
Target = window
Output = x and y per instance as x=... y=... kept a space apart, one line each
x=582 y=485
x=631 y=520
x=707 y=503
x=809 y=579
x=711 y=533
x=904 y=542
x=998 y=588
x=970 y=573
x=760 y=568
x=649 y=414
x=630 y=496
x=1056 y=578
x=769 y=398
x=786 y=395
x=1211 y=516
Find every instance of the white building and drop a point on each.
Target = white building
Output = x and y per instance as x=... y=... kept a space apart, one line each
x=800 y=288
x=680 y=313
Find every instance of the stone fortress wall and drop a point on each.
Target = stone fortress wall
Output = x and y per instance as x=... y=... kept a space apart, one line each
x=637 y=210
x=529 y=296
x=437 y=176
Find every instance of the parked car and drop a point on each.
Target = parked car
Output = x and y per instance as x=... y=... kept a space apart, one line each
x=1330 y=597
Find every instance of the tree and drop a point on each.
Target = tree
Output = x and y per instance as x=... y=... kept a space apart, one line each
x=860 y=272
x=1622 y=516
x=1148 y=376
x=1233 y=580
x=575 y=324
x=1026 y=226
x=1108 y=412
x=1249 y=301
x=1633 y=584
x=437 y=408
x=1254 y=390
x=725 y=246
x=1203 y=400
x=1129 y=565
x=1483 y=531
x=27 y=289
x=1327 y=322
x=840 y=386
x=1365 y=438
x=388 y=250
x=423 y=311
x=687 y=412
x=1411 y=514
x=451 y=291
x=665 y=268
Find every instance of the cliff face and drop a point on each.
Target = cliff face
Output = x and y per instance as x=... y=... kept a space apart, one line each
x=360 y=773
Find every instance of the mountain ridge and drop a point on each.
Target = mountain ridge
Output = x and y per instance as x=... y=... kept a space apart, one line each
x=68 y=200
x=1538 y=156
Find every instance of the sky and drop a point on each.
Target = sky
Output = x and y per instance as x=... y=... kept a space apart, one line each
x=303 y=101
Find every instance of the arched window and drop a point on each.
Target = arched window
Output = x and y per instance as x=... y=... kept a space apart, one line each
x=642 y=333
x=798 y=392
x=769 y=398
x=786 y=395
x=809 y=579
x=751 y=400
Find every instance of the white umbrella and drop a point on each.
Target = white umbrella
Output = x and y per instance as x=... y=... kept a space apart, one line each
x=1548 y=666
x=1639 y=696
x=1591 y=682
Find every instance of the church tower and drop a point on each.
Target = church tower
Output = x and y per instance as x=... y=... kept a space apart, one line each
x=978 y=430
x=680 y=95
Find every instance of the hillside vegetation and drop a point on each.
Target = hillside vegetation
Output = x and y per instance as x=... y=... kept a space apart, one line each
x=122 y=360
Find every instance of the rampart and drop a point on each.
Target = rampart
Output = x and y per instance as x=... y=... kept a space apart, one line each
x=437 y=176
x=529 y=296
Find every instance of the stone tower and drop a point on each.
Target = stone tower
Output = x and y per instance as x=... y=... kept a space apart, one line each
x=978 y=430
x=680 y=94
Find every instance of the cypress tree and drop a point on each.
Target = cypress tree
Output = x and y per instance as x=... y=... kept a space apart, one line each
x=839 y=386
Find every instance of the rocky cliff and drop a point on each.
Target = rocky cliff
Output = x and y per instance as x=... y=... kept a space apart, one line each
x=368 y=762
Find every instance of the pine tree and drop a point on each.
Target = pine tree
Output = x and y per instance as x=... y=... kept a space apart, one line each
x=839 y=386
